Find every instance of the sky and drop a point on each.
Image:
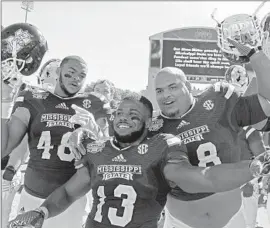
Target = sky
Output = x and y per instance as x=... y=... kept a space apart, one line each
x=113 y=37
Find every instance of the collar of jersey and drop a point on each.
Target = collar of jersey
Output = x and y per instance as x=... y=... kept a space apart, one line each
x=112 y=140
x=68 y=98
x=188 y=111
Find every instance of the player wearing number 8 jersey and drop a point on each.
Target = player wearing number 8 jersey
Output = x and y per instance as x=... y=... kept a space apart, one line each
x=44 y=116
x=208 y=125
x=129 y=175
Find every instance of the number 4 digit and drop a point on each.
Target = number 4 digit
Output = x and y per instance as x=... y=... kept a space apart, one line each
x=45 y=143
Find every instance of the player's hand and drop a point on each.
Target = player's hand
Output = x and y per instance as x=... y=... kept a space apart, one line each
x=85 y=119
x=9 y=173
x=30 y=219
x=260 y=166
x=244 y=50
x=9 y=91
x=75 y=141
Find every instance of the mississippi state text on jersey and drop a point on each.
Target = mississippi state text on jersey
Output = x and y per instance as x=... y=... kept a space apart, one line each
x=47 y=116
x=129 y=188
x=210 y=128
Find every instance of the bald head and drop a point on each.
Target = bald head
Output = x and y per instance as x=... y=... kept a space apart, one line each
x=178 y=73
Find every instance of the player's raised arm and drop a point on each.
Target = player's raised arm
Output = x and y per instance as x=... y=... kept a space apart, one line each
x=219 y=178
x=59 y=200
x=13 y=127
x=261 y=65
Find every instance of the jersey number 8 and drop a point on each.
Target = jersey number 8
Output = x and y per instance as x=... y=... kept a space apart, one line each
x=45 y=144
x=207 y=155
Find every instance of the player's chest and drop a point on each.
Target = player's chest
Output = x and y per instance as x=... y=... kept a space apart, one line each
x=132 y=166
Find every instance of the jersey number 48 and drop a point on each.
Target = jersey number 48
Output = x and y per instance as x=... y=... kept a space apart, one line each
x=44 y=144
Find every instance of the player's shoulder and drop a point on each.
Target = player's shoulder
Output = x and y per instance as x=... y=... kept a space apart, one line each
x=220 y=89
x=31 y=92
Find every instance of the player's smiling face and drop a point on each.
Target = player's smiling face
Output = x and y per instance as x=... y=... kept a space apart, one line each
x=129 y=122
x=72 y=75
x=172 y=94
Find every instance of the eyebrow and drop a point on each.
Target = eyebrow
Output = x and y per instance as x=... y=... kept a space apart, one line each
x=168 y=85
x=72 y=68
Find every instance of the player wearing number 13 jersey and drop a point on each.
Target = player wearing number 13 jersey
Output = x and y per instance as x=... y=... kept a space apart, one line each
x=208 y=125
x=44 y=116
x=130 y=175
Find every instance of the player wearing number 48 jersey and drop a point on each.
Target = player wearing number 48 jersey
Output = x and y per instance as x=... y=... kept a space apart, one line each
x=209 y=125
x=45 y=117
x=130 y=174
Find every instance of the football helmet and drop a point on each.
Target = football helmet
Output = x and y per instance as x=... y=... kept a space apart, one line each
x=265 y=24
x=242 y=28
x=48 y=76
x=22 y=49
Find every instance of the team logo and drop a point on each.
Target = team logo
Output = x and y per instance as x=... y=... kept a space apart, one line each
x=95 y=147
x=143 y=149
x=86 y=103
x=119 y=158
x=156 y=124
x=208 y=105
x=21 y=38
x=62 y=106
x=182 y=124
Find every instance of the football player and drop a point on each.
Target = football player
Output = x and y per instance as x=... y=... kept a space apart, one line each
x=44 y=117
x=209 y=125
x=107 y=89
x=22 y=50
x=129 y=174
x=251 y=141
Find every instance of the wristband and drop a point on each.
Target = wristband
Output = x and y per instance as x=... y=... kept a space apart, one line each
x=7 y=108
x=253 y=51
x=44 y=211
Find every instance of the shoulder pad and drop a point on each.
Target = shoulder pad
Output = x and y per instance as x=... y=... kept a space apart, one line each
x=157 y=123
x=95 y=147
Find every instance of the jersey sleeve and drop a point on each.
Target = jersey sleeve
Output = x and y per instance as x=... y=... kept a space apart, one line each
x=247 y=111
x=174 y=151
x=240 y=111
x=23 y=108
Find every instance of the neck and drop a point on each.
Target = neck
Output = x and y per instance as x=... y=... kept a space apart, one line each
x=135 y=143
x=188 y=106
x=59 y=92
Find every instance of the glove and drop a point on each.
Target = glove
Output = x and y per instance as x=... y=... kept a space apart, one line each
x=86 y=120
x=244 y=50
x=9 y=173
x=75 y=141
x=30 y=219
x=260 y=166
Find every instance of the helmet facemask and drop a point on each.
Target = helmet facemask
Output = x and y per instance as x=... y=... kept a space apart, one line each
x=11 y=67
x=242 y=28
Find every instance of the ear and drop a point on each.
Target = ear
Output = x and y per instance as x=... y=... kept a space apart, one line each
x=58 y=70
x=188 y=85
x=148 y=122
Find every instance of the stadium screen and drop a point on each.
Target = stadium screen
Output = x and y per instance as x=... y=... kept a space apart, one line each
x=201 y=61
